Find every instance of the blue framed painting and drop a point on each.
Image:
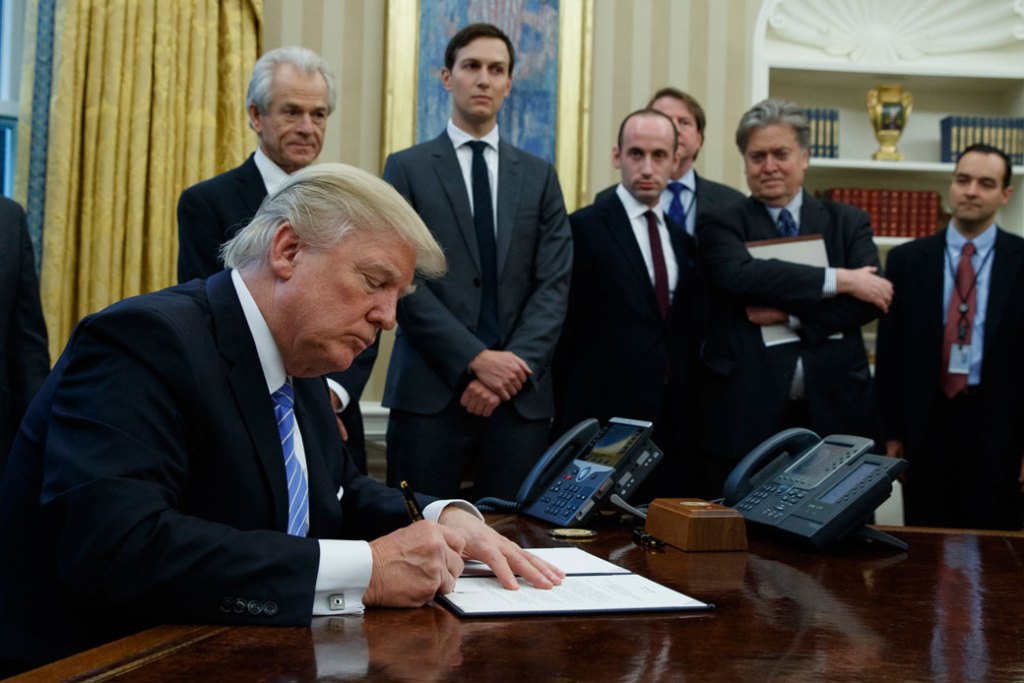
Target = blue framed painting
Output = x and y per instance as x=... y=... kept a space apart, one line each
x=528 y=118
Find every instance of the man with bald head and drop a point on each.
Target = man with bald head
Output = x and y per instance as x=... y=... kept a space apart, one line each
x=628 y=345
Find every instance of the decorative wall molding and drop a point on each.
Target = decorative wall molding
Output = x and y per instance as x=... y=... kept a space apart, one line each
x=889 y=33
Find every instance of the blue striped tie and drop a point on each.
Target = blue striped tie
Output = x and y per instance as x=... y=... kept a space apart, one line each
x=298 y=495
x=787 y=226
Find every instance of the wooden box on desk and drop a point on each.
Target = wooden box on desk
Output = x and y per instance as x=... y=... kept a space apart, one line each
x=692 y=524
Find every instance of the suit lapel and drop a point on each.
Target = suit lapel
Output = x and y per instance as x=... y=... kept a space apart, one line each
x=931 y=264
x=1005 y=265
x=251 y=190
x=449 y=174
x=249 y=387
x=761 y=225
x=509 y=184
x=621 y=231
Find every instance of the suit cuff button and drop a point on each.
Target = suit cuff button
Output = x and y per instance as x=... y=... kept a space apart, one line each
x=255 y=607
x=227 y=604
x=239 y=607
x=270 y=608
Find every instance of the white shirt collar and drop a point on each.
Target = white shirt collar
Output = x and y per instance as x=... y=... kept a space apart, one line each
x=266 y=348
x=634 y=207
x=984 y=241
x=460 y=137
x=272 y=174
x=689 y=180
x=794 y=206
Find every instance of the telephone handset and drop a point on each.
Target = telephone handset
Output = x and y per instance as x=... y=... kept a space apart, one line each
x=587 y=464
x=817 y=490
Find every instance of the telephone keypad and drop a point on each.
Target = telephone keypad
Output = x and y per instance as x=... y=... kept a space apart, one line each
x=782 y=498
x=564 y=496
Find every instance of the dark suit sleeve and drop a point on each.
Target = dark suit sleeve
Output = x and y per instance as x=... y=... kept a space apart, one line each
x=28 y=358
x=445 y=342
x=199 y=237
x=128 y=420
x=793 y=288
x=888 y=371
x=727 y=264
x=536 y=332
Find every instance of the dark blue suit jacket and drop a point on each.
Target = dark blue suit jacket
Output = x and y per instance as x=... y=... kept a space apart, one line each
x=616 y=351
x=909 y=364
x=147 y=483
x=24 y=356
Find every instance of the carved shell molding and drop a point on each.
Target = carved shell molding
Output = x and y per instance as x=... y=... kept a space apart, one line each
x=893 y=31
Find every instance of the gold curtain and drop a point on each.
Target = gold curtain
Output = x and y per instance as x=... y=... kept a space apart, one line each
x=148 y=98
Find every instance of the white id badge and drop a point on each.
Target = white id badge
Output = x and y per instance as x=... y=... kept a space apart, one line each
x=959 y=361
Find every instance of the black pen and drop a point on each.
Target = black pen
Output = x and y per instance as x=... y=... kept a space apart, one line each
x=410 y=502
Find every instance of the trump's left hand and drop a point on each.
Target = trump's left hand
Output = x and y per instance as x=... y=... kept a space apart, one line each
x=505 y=558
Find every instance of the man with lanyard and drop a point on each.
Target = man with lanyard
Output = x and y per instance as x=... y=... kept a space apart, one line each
x=949 y=358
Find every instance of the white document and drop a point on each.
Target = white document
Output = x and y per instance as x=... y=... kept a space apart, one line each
x=569 y=560
x=807 y=251
x=592 y=585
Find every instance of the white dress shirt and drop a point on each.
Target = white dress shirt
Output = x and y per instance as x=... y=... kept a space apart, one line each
x=464 y=153
x=636 y=210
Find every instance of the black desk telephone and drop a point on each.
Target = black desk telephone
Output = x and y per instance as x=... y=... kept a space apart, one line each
x=581 y=470
x=816 y=490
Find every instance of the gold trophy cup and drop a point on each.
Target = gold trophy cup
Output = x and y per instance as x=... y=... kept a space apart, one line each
x=889 y=108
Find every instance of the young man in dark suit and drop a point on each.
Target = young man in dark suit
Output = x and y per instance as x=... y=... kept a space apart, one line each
x=687 y=192
x=468 y=384
x=291 y=94
x=628 y=347
x=181 y=462
x=24 y=356
x=950 y=364
x=822 y=380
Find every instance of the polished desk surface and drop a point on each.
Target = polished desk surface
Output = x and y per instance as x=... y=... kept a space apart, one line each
x=947 y=609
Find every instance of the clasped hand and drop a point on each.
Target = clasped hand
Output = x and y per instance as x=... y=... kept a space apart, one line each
x=498 y=376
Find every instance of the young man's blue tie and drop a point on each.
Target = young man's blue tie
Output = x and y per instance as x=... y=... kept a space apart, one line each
x=676 y=211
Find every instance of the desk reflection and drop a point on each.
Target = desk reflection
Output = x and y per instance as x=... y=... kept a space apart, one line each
x=384 y=643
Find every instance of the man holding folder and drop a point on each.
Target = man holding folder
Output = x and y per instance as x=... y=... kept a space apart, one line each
x=752 y=390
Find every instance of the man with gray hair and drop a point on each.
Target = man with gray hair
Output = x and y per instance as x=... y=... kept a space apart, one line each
x=820 y=380
x=291 y=94
x=181 y=462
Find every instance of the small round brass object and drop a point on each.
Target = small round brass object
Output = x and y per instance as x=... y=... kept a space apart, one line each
x=573 y=534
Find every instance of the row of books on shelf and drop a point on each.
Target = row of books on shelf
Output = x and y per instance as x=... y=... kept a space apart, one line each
x=895 y=213
x=824 y=125
x=959 y=132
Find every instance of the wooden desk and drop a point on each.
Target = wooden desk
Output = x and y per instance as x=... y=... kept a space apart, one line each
x=947 y=609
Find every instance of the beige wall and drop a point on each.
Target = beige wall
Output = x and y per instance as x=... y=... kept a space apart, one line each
x=701 y=46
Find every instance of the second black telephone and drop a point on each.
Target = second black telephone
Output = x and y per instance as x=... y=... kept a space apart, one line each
x=581 y=470
x=816 y=490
